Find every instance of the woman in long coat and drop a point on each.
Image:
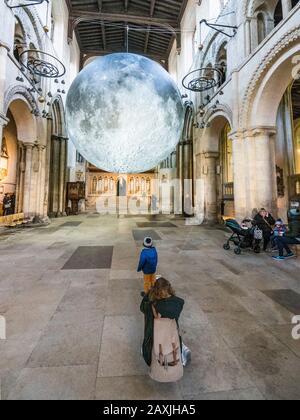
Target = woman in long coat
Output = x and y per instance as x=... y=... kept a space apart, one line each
x=166 y=303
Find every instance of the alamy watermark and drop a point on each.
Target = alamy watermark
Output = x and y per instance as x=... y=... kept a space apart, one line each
x=2 y=328
x=296 y=329
x=167 y=197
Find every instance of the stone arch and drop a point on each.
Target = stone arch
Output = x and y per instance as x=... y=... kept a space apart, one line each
x=209 y=159
x=270 y=80
x=215 y=114
x=58 y=115
x=31 y=24
x=188 y=121
x=215 y=120
x=58 y=160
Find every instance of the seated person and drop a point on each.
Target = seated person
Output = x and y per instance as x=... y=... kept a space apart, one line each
x=283 y=243
x=265 y=222
x=279 y=231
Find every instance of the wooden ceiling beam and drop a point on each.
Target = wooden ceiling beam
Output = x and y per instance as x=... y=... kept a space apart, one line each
x=78 y=16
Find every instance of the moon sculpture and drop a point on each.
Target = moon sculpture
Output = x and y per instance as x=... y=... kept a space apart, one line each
x=124 y=113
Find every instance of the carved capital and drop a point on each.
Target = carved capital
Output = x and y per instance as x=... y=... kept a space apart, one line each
x=29 y=145
x=211 y=155
x=264 y=131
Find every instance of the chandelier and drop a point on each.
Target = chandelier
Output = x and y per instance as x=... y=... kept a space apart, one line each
x=14 y=4
x=37 y=64
x=203 y=79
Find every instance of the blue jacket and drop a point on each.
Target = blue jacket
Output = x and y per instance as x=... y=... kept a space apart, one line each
x=148 y=261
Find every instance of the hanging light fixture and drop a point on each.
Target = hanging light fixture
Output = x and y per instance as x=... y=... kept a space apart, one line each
x=43 y=63
x=14 y=4
x=3 y=160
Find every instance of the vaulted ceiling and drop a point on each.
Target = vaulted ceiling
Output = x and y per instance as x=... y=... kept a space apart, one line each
x=146 y=27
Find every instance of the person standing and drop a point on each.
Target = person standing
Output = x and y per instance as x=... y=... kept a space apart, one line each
x=265 y=222
x=6 y=205
x=148 y=264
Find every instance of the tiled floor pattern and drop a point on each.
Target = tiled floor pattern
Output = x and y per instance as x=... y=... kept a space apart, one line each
x=70 y=295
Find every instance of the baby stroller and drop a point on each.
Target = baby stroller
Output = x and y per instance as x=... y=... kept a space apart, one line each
x=244 y=237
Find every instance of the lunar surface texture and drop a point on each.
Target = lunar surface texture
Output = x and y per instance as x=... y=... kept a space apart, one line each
x=124 y=113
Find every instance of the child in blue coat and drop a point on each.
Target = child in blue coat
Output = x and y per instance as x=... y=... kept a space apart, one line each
x=148 y=264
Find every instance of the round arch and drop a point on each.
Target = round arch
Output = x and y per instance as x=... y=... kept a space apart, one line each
x=188 y=121
x=25 y=122
x=58 y=114
x=270 y=82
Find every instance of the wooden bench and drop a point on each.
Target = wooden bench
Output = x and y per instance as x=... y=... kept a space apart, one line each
x=12 y=220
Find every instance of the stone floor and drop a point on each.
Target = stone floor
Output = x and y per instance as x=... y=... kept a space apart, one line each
x=70 y=295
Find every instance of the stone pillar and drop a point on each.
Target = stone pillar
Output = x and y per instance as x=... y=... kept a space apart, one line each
x=22 y=167
x=3 y=123
x=286 y=7
x=210 y=170
x=54 y=176
x=3 y=62
x=254 y=33
x=187 y=175
x=239 y=175
x=19 y=175
x=248 y=37
x=47 y=157
x=42 y=184
x=35 y=180
x=180 y=173
x=265 y=168
x=62 y=175
x=27 y=178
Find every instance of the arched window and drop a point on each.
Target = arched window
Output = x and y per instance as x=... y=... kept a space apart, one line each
x=227 y=155
x=278 y=14
x=19 y=40
x=261 y=27
x=106 y=184
x=100 y=185
x=111 y=185
x=94 y=185
x=148 y=183
x=221 y=62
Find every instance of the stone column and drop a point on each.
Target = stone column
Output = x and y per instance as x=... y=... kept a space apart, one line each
x=42 y=177
x=265 y=168
x=47 y=158
x=187 y=174
x=35 y=179
x=27 y=178
x=211 y=205
x=254 y=33
x=3 y=123
x=180 y=172
x=286 y=7
x=248 y=37
x=4 y=49
x=22 y=166
x=19 y=174
x=239 y=174
x=54 y=176
x=62 y=175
